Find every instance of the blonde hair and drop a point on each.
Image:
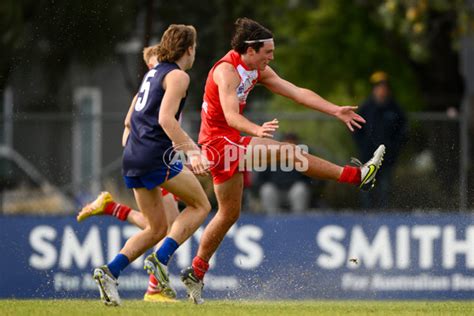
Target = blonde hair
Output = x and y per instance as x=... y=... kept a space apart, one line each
x=174 y=42
x=148 y=53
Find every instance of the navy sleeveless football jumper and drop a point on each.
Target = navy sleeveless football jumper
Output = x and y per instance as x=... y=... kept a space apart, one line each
x=148 y=155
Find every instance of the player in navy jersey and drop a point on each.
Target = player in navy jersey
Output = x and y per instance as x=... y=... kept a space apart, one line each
x=104 y=204
x=148 y=164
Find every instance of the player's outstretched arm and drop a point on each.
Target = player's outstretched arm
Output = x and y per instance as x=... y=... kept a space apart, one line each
x=176 y=84
x=306 y=97
x=227 y=80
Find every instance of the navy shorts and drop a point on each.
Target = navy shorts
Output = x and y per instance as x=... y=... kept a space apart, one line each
x=154 y=178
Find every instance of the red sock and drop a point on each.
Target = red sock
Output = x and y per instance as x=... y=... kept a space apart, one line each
x=350 y=174
x=118 y=210
x=152 y=284
x=200 y=267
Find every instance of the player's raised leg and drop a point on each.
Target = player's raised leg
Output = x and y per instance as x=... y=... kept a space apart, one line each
x=362 y=175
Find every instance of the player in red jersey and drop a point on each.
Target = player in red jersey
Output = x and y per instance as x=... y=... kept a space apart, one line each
x=228 y=84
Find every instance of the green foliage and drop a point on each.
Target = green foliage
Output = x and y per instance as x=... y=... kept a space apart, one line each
x=334 y=46
x=418 y=21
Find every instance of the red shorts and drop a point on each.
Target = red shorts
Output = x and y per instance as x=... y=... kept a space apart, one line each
x=224 y=154
x=164 y=192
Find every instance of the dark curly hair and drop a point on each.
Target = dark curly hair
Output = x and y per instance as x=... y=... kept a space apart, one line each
x=174 y=42
x=246 y=29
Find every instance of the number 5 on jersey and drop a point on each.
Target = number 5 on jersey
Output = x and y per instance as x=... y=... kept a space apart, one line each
x=144 y=91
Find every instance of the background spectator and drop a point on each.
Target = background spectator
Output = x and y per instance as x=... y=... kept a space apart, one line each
x=386 y=124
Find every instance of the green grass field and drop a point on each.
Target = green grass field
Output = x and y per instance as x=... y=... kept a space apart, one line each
x=222 y=308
